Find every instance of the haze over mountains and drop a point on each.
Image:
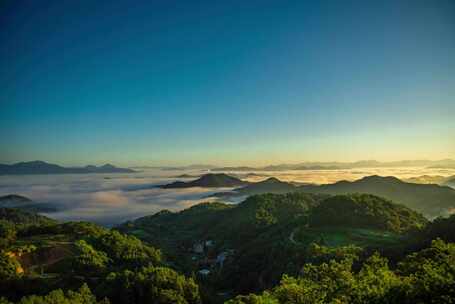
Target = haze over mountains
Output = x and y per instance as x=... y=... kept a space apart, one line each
x=109 y=199
x=41 y=167
x=444 y=163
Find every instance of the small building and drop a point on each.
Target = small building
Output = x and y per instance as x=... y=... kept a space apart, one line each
x=198 y=248
x=204 y=272
x=221 y=258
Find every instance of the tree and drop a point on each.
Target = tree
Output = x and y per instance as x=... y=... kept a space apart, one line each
x=7 y=233
x=8 y=267
x=89 y=259
x=157 y=285
x=82 y=296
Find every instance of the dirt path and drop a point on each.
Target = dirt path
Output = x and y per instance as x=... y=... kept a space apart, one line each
x=291 y=237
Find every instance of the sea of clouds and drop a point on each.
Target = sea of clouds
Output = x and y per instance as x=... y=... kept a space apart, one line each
x=110 y=199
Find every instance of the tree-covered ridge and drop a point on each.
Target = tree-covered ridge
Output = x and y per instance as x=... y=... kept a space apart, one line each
x=365 y=211
x=223 y=222
x=41 y=259
x=82 y=296
x=427 y=276
x=442 y=227
x=429 y=199
x=24 y=218
x=321 y=247
x=271 y=234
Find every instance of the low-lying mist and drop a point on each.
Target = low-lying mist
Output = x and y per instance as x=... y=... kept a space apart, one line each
x=110 y=199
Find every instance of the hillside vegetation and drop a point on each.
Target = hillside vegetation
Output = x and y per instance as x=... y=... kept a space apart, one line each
x=42 y=259
x=271 y=248
x=429 y=199
x=426 y=276
x=270 y=234
x=365 y=211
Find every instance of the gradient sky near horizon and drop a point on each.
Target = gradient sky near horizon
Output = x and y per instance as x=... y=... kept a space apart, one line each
x=226 y=82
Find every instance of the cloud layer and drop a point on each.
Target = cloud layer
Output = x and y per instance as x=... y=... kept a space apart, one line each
x=107 y=198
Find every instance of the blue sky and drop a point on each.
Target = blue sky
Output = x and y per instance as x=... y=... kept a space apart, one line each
x=233 y=82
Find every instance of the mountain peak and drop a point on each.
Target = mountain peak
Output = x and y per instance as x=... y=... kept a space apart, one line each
x=108 y=166
x=271 y=180
x=378 y=178
x=14 y=197
x=210 y=180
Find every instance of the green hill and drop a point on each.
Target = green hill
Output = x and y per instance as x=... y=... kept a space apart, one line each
x=24 y=218
x=248 y=247
x=270 y=233
x=431 y=200
x=365 y=211
x=42 y=260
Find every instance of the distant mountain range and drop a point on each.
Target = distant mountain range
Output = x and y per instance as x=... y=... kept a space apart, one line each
x=40 y=167
x=14 y=201
x=208 y=181
x=430 y=199
x=431 y=179
x=445 y=163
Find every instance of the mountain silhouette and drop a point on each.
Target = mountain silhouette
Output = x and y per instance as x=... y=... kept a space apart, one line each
x=41 y=167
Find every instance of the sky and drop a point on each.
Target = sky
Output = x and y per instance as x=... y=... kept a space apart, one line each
x=226 y=82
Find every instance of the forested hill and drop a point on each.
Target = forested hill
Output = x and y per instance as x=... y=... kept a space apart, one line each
x=289 y=244
x=365 y=211
x=429 y=199
x=23 y=218
x=42 y=261
x=269 y=234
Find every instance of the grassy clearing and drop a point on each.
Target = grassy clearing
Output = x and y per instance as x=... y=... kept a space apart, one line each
x=44 y=239
x=338 y=236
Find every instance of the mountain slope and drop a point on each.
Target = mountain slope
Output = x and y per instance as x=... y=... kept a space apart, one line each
x=24 y=203
x=431 y=200
x=235 y=224
x=365 y=210
x=21 y=217
x=268 y=235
